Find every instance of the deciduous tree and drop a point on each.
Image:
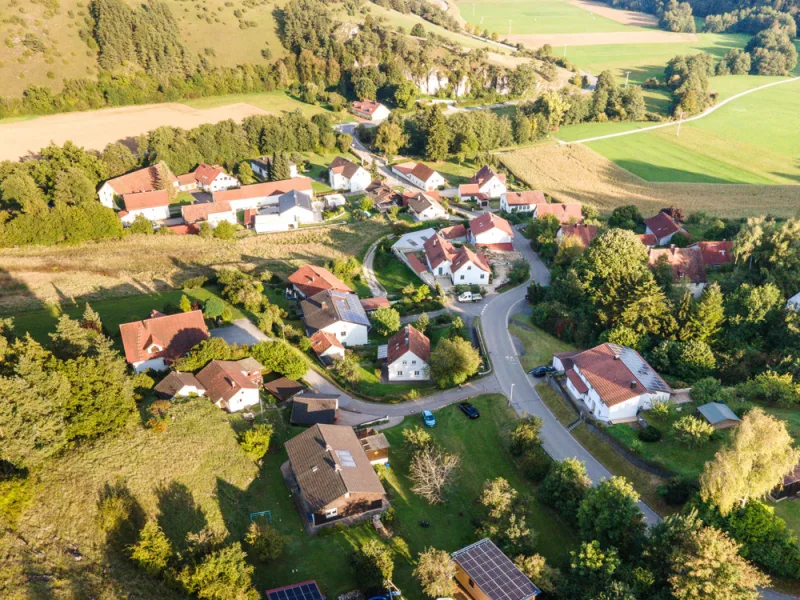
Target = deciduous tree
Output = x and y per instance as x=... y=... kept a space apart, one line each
x=609 y=514
x=453 y=361
x=432 y=471
x=436 y=573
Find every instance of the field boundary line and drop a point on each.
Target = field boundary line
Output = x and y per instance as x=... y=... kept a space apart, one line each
x=705 y=113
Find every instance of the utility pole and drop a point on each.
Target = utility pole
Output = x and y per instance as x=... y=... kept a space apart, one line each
x=627 y=74
x=511 y=395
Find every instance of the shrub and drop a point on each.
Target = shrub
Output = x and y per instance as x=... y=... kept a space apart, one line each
x=692 y=431
x=661 y=409
x=194 y=282
x=416 y=437
x=225 y=230
x=265 y=541
x=255 y=441
x=650 y=434
x=676 y=491
x=564 y=487
x=153 y=550
x=535 y=464
x=213 y=308
x=525 y=435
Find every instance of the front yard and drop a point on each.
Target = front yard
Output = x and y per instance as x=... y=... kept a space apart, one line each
x=539 y=345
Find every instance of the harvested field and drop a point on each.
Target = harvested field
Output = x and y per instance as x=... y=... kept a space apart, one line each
x=35 y=276
x=96 y=128
x=534 y=40
x=579 y=174
x=626 y=17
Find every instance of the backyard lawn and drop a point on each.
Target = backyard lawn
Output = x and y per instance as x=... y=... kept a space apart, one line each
x=539 y=345
x=395 y=275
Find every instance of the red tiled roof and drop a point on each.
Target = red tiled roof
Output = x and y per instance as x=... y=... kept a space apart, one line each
x=662 y=225
x=322 y=341
x=439 y=250
x=716 y=253
x=685 y=262
x=431 y=194
x=175 y=334
x=142 y=200
x=249 y=216
x=184 y=229
x=584 y=233
x=409 y=338
x=186 y=179
x=469 y=189
x=576 y=381
x=454 y=232
x=489 y=221
x=141 y=180
x=564 y=212
x=270 y=188
x=419 y=170
x=222 y=379
x=206 y=174
x=525 y=198
x=648 y=239
x=485 y=174
x=610 y=377
x=194 y=213
x=311 y=280
x=375 y=303
x=416 y=264
x=465 y=255
x=501 y=247
x=566 y=358
x=368 y=107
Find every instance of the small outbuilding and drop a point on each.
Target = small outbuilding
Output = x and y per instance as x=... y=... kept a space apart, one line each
x=789 y=488
x=310 y=409
x=719 y=415
x=375 y=446
x=284 y=389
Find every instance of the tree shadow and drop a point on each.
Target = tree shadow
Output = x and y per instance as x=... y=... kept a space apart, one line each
x=179 y=515
x=233 y=504
x=657 y=174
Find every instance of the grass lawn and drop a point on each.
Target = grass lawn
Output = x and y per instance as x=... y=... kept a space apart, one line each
x=40 y=323
x=565 y=414
x=539 y=345
x=454 y=173
x=395 y=275
x=543 y=16
x=273 y=102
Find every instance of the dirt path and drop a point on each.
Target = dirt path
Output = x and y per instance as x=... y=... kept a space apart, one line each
x=534 y=40
x=94 y=129
x=626 y=17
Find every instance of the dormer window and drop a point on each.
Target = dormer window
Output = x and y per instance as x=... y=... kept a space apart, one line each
x=154 y=349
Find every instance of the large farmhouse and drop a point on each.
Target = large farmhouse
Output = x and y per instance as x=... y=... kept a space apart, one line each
x=614 y=382
x=153 y=206
x=263 y=194
x=155 y=342
x=212 y=213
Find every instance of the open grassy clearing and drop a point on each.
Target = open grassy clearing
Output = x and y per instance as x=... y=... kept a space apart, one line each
x=273 y=102
x=395 y=275
x=579 y=174
x=32 y=277
x=543 y=16
x=539 y=345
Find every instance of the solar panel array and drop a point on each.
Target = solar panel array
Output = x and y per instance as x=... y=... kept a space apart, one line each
x=494 y=573
x=349 y=308
x=301 y=591
x=639 y=367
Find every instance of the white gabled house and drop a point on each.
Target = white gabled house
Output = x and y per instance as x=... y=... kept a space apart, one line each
x=337 y=313
x=207 y=178
x=327 y=347
x=347 y=176
x=369 y=110
x=521 y=201
x=179 y=385
x=614 y=382
x=232 y=385
x=155 y=342
x=262 y=165
x=490 y=183
x=408 y=355
x=420 y=175
x=153 y=206
x=491 y=231
x=425 y=207
x=663 y=227
x=462 y=265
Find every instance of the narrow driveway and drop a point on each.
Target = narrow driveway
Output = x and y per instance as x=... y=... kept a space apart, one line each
x=369 y=272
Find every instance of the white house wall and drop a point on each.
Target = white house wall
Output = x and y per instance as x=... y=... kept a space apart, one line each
x=408 y=367
x=244 y=398
x=349 y=334
x=106 y=196
x=217 y=218
x=221 y=182
x=154 y=364
x=156 y=213
x=493 y=188
x=470 y=274
x=493 y=236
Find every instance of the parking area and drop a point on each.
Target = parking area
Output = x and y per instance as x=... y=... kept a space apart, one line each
x=241 y=331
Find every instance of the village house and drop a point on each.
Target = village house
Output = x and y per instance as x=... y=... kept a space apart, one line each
x=370 y=305
x=512 y=202
x=369 y=110
x=470 y=192
x=565 y=213
x=179 y=385
x=213 y=213
x=583 y=233
x=345 y=175
x=686 y=264
x=207 y=178
x=259 y=195
x=420 y=175
x=232 y=385
x=148 y=179
x=383 y=195
x=337 y=313
x=310 y=408
x=413 y=241
x=663 y=227
x=309 y=280
x=327 y=347
x=492 y=232
x=613 y=382
x=153 y=206
x=483 y=572
x=425 y=207
x=294 y=208
x=794 y=302
x=462 y=265
x=284 y=389
x=263 y=165
x=331 y=476
x=154 y=343
x=490 y=183
x=408 y=355
x=455 y=233
x=715 y=254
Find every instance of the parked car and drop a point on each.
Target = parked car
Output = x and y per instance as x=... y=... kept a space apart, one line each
x=469 y=297
x=428 y=418
x=542 y=371
x=469 y=410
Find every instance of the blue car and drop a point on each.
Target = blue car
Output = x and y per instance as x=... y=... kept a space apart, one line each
x=428 y=418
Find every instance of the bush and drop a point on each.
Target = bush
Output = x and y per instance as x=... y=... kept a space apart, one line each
x=692 y=431
x=213 y=308
x=676 y=491
x=255 y=441
x=535 y=464
x=525 y=435
x=265 y=541
x=649 y=434
x=153 y=550
x=194 y=282
x=416 y=437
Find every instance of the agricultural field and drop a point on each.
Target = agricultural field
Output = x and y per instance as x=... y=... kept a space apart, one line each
x=580 y=174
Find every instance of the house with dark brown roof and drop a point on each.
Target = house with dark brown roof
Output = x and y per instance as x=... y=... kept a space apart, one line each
x=284 y=389
x=491 y=231
x=337 y=313
x=310 y=408
x=583 y=233
x=179 y=385
x=232 y=385
x=408 y=355
x=331 y=476
x=156 y=342
x=614 y=382
x=345 y=175
x=148 y=179
x=663 y=226
x=686 y=264
x=424 y=207
x=310 y=279
x=383 y=195
x=327 y=347
x=420 y=175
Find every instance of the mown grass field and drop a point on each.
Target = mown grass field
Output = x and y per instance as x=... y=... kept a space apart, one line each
x=539 y=345
x=542 y=16
x=274 y=102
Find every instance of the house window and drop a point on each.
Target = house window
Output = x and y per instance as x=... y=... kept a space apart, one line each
x=405 y=362
x=413 y=362
x=482 y=275
x=343 y=334
x=462 y=278
x=331 y=512
x=471 y=583
x=469 y=268
x=416 y=373
x=400 y=373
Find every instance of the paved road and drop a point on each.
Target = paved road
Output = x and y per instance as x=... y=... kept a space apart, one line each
x=673 y=123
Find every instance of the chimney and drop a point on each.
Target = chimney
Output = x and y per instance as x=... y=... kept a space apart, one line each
x=328 y=448
x=337 y=468
x=616 y=357
x=633 y=385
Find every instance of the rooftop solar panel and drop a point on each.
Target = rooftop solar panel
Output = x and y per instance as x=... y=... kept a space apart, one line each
x=301 y=591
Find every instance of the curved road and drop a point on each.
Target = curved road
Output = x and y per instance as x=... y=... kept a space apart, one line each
x=671 y=123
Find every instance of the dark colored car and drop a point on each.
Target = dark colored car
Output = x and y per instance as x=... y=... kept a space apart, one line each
x=469 y=410
x=542 y=371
